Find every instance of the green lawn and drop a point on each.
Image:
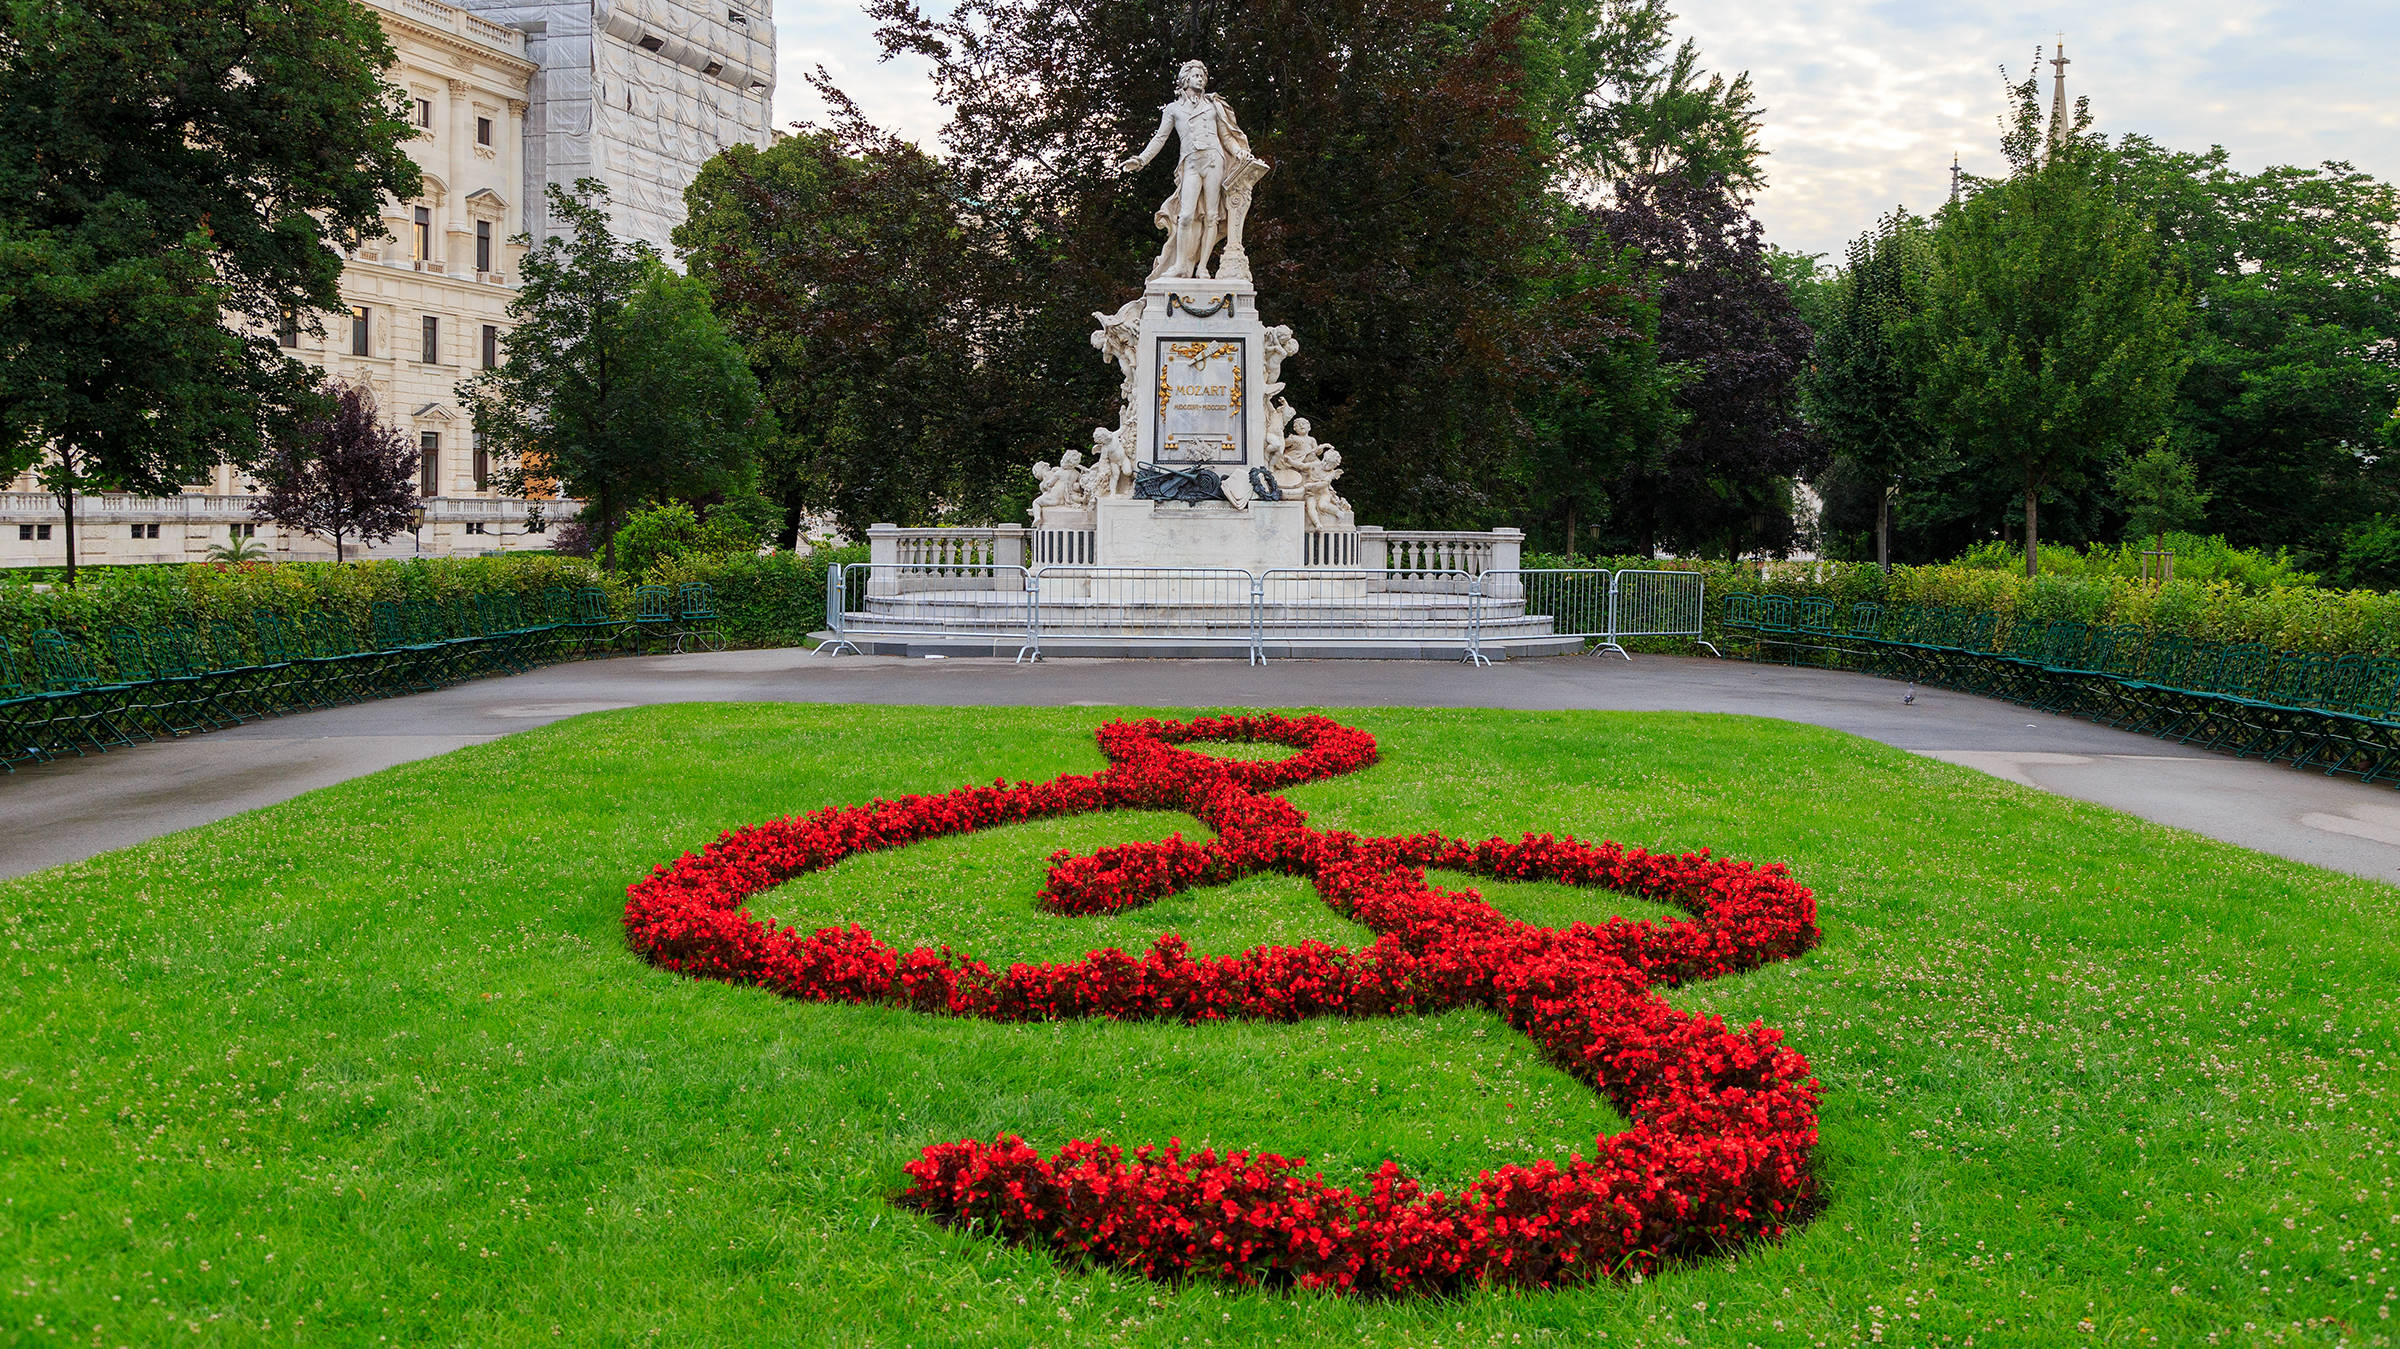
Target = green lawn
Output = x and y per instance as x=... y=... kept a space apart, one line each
x=374 y=1065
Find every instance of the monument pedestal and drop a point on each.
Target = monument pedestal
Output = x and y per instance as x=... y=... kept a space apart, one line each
x=1258 y=537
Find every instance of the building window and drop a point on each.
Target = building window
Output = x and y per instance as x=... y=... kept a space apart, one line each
x=429 y=461
x=433 y=340
x=242 y=531
x=537 y=526
x=736 y=16
x=491 y=346
x=287 y=328
x=425 y=113
x=483 y=131
x=41 y=531
x=358 y=330
x=713 y=69
x=483 y=245
x=424 y=235
x=651 y=42
x=483 y=464
x=475 y=526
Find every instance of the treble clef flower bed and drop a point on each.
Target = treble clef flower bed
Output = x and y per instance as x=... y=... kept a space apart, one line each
x=1723 y=1120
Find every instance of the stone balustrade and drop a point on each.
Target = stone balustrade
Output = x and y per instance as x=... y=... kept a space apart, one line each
x=1414 y=559
x=1441 y=550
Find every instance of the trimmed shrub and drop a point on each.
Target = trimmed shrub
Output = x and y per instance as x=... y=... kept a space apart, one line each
x=2285 y=617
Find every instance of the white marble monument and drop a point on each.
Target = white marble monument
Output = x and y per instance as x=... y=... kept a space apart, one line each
x=1207 y=466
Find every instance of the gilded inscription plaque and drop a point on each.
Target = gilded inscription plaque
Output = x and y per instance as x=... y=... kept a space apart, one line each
x=1199 y=402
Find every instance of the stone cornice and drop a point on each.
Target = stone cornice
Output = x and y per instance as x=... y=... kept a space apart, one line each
x=452 y=43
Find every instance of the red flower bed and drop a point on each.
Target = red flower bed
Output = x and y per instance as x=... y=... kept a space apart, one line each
x=1722 y=1120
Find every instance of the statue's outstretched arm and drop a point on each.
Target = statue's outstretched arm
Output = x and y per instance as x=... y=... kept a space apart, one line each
x=1158 y=142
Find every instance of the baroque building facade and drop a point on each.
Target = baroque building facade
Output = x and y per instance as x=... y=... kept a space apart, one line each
x=506 y=99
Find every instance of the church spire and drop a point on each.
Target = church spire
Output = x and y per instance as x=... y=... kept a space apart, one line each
x=2058 y=94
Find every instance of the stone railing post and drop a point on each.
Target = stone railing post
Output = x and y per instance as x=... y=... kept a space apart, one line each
x=1008 y=550
x=1508 y=555
x=883 y=559
x=1371 y=552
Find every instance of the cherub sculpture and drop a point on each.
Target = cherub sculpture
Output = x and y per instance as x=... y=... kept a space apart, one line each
x=1061 y=486
x=1279 y=344
x=1325 y=508
x=1279 y=415
x=1111 y=473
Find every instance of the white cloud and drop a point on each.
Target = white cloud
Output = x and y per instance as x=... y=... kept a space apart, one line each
x=1867 y=99
x=896 y=95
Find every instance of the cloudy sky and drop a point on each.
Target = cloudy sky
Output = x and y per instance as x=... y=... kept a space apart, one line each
x=1866 y=100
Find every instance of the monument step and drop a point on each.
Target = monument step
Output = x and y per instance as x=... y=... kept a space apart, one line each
x=1106 y=648
x=1228 y=624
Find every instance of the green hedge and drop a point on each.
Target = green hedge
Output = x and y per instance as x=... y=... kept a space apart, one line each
x=775 y=600
x=763 y=601
x=778 y=599
x=150 y=597
x=2288 y=618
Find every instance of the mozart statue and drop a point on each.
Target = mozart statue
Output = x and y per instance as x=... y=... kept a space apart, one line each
x=1213 y=181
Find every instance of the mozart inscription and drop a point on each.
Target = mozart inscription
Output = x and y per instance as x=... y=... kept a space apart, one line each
x=1199 y=401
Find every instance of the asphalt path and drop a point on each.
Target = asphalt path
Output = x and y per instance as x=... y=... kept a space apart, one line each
x=68 y=811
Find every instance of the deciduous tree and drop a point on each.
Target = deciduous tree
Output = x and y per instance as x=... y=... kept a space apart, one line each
x=2160 y=491
x=1724 y=481
x=2055 y=335
x=174 y=181
x=840 y=261
x=343 y=473
x=1865 y=393
x=2295 y=339
x=1643 y=106
x=617 y=384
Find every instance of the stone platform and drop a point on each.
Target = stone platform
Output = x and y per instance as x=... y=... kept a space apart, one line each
x=1335 y=623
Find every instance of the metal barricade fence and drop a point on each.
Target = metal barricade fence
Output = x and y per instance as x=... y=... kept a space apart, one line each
x=1574 y=599
x=1599 y=606
x=1656 y=604
x=1342 y=607
x=902 y=600
x=1200 y=609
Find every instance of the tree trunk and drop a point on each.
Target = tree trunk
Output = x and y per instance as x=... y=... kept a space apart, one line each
x=788 y=537
x=1883 y=531
x=66 y=501
x=2033 y=536
x=608 y=534
x=1570 y=533
x=337 y=547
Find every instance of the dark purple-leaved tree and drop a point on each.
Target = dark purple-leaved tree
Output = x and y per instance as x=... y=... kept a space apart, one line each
x=1724 y=482
x=343 y=473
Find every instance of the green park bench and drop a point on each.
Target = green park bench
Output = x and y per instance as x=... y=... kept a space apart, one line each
x=653 y=617
x=696 y=618
x=87 y=713
x=24 y=714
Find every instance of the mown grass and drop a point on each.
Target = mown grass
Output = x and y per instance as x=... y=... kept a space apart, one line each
x=374 y=1066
